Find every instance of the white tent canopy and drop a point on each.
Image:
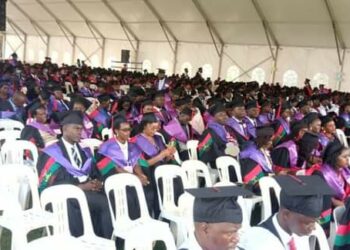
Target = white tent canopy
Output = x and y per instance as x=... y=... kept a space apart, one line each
x=281 y=40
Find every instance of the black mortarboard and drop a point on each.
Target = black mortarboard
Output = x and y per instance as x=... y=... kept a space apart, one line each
x=71 y=117
x=265 y=131
x=183 y=101
x=56 y=87
x=147 y=102
x=161 y=71
x=265 y=103
x=251 y=104
x=216 y=108
x=33 y=107
x=217 y=205
x=80 y=99
x=324 y=97
x=303 y=194
x=117 y=120
x=201 y=89
x=136 y=91
x=325 y=119
x=296 y=127
x=186 y=111
x=159 y=93
x=309 y=141
x=238 y=102
x=104 y=98
x=311 y=117
x=285 y=106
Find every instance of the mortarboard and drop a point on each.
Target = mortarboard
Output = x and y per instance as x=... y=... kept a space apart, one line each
x=324 y=97
x=216 y=205
x=309 y=141
x=71 y=117
x=296 y=127
x=285 y=106
x=332 y=149
x=161 y=71
x=149 y=118
x=265 y=131
x=183 y=101
x=265 y=103
x=303 y=103
x=216 y=108
x=303 y=194
x=33 y=107
x=118 y=119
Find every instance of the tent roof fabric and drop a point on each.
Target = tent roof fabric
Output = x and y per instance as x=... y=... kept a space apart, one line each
x=302 y=23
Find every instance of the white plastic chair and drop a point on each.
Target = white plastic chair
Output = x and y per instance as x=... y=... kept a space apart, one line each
x=69 y=87
x=10 y=135
x=56 y=242
x=107 y=133
x=195 y=169
x=80 y=84
x=169 y=210
x=13 y=152
x=319 y=235
x=58 y=196
x=91 y=143
x=266 y=183
x=192 y=149
x=223 y=163
x=8 y=124
x=342 y=137
x=337 y=214
x=20 y=222
x=143 y=231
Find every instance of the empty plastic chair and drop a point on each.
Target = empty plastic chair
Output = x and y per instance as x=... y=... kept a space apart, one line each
x=169 y=210
x=10 y=135
x=143 y=231
x=58 y=197
x=223 y=163
x=8 y=124
x=107 y=133
x=194 y=169
x=20 y=152
x=266 y=183
x=192 y=149
x=318 y=235
x=20 y=222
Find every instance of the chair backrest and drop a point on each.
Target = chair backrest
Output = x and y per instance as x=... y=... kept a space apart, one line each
x=107 y=133
x=342 y=137
x=69 y=87
x=337 y=214
x=319 y=235
x=58 y=196
x=166 y=174
x=19 y=152
x=266 y=183
x=8 y=124
x=194 y=169
x=10 y=135
x=116 y=185
x=91 y=143
x=13 y=177
x=192 y=149
x=223 y=163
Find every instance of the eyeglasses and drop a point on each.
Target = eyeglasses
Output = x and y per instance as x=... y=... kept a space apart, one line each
x=125 y=129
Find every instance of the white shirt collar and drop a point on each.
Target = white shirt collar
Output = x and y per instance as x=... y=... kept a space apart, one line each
x=284 y=236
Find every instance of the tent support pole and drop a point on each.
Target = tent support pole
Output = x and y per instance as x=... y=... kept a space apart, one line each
x=73 y=50
x=342 y=70
x=251 y=68
x=175 y=57
x=103 y=52
x=274 y=67
x=221 y=60
x=25 y=48
x=48 y=46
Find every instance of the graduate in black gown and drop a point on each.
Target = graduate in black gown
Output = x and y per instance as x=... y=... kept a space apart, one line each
x=38 y=130
x=65 y=162
x=120 y=155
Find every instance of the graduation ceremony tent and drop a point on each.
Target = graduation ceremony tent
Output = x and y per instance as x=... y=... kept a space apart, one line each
x=265 y=40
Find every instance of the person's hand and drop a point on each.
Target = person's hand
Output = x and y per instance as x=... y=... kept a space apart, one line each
x=98 y=185
x=144 y=180
x=171 y=150
x=283 y=172
x=168 y=152
x=87 y=186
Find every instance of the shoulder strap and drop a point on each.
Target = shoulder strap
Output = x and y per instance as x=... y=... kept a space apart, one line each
x=268 y=225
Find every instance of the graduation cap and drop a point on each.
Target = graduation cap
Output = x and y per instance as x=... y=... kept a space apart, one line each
x=159 y=93
x=216 y=108
x=216 y=205
x=137 y=91
x=71 y=117
x=56 y=87
x=296 y=127
x=265 y=131
x=326 y=119
x=161 y=71
x=324 y=97
x=303 y=194
x=183 y=101
x=302 y=103
x=201 y=89
x=33 y=107
x=265 y=103
x=251 y=104
x=285 y=106
x=238 y=102
x=117 y=120
x=149 y=118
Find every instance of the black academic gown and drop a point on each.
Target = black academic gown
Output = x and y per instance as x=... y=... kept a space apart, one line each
x=97 y=201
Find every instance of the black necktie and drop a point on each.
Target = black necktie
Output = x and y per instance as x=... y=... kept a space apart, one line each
x=76 y=157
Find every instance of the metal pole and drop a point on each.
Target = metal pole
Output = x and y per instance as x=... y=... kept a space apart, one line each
x=25 y=48
x=220 y=60
x=175 y=57
x=48 y=46
x=251 y=68
x=103 y=52
x=342 y=69
x=73 y=50
x=274 y=69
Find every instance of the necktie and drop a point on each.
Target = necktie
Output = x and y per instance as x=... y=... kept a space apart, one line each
x=291 y=245
x=76 y=157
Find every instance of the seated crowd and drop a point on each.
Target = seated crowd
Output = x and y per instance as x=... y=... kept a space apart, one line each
x=273 y=130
